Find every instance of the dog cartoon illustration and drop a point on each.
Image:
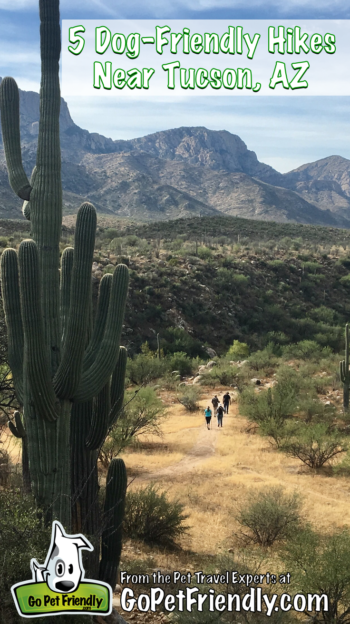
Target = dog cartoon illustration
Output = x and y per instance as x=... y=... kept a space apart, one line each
x=63 y=567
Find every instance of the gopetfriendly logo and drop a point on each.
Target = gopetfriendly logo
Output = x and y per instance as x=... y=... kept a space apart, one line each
x=59 y=586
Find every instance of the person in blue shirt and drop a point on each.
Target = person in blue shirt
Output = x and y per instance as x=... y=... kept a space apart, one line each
x=208 y=415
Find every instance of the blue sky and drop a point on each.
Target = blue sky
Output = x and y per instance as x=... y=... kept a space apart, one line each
x=285 y=132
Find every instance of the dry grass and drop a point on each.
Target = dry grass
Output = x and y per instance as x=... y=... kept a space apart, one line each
x=212 y=471
x=213 y=485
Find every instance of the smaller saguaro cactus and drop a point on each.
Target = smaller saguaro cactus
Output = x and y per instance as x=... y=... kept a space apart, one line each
x=344 y=371
x=113 y=519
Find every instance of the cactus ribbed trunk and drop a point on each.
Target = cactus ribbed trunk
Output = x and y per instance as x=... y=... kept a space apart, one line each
x=68 y=377
x=345 y=372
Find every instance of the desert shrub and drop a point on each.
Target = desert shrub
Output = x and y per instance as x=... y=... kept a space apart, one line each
x=306 y=349
x=319 y=564
x=264 y=358
x=345 y=280
x=311 y=267
x=110 y=233
x=238 y=351
x=144 y=367
x=179 y=361
x=311 y=409
x=269 y=516
x=314 y=444
x=142 y=414
x=132 y=240
x=22 y=537
x=276 y=264
x=277 y=429
x=276 y=403
x=176 y=339
x=189 y=397
x=204 y=253
x=223 y=374
x=3 y=241
x=152 y=517
x=226 y=279
x=323 y=314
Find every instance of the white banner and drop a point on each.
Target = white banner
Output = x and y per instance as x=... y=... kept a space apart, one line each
x=205 y=57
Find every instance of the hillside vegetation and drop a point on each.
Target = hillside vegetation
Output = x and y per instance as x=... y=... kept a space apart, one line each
x=219 y=279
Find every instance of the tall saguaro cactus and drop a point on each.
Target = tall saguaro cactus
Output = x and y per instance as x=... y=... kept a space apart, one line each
x=345 y=372
x=68 y=378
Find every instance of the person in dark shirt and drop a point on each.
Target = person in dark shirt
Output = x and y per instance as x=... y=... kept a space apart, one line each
x=215 y=402
x=220 y=414
x=226 y=399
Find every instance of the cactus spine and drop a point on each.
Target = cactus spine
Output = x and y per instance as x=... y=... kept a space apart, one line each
x=69 y=380
x=345 y=372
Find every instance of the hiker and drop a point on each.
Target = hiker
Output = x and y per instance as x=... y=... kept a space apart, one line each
x=215 y=402
x=226 y=399
x=208 y=415
x=220 y=414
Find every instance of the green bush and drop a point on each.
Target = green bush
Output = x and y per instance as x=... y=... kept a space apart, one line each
x=223 y=374
x=315 y=445
x=264 y=358
x=269 y=516
x=143 y=367
x=179 y=361
x=345 y=280
x=305 y=350
x=22 y=537
x=277 y=403
x=176 y=339
x=204 y=253
x=189 y=397
x=319 y=564
x=238 y=351
x=151 y=517
x=142 y=414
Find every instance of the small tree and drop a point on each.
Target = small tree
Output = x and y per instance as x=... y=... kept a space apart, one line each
x=238 y=350
x=141 y=415
x=269 y=516
x=314 y=445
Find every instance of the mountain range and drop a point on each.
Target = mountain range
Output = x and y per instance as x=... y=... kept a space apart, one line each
x=181 y=172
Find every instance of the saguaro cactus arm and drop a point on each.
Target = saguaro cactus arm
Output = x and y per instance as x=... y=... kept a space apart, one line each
x=108 y=405
x=26 y=204
x=17 y=427
x=13 y=316
x=69 y=371
x=94 y=378
x=100 y=322
x=113 y=514
x=65 y=288
x=9 y=104
x=99 y=423
x=117 y=387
